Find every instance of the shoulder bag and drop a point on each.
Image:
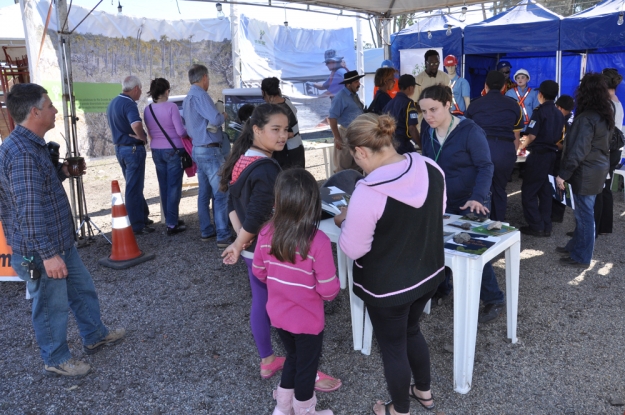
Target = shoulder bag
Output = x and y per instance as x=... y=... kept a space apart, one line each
x=185 y=159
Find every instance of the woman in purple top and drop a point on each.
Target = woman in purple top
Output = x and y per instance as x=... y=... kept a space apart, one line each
x=166 y=158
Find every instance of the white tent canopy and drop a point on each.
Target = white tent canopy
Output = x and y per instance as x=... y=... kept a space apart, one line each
x=378 y=8
x=11 y=26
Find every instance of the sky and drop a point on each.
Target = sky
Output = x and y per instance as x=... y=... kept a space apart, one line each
x=168 y=9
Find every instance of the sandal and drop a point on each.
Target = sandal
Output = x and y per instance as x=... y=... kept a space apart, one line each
x=274 y=367
x=322 y=376
x=387 y=405
x=421 y=400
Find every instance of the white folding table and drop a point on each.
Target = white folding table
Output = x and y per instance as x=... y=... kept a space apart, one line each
x=467 y=271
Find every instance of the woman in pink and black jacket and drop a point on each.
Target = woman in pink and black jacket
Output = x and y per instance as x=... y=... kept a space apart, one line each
x=393 y=230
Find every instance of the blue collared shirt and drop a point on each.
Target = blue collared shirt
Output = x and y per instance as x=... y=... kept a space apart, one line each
x=34 y=209
x=198 y=110
x=121 y=113
x=344 y=107
x=460 y=90
x=530 y=102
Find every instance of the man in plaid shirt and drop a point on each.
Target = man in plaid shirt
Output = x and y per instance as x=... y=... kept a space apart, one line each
x=38 y=224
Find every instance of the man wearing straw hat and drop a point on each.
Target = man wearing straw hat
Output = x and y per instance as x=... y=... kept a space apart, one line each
x=37 y=220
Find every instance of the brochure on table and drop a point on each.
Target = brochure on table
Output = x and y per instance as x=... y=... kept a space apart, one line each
x=481 y=238
x=332 y=198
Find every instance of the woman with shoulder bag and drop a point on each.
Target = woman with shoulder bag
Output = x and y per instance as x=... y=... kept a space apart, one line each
x=165 y=128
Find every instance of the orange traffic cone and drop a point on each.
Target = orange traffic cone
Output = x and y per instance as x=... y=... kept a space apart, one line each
x=125 y=252
x=6 y=270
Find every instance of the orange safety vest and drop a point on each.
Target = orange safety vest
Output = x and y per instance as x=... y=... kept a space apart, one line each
x=522 y=102
x=455 y=109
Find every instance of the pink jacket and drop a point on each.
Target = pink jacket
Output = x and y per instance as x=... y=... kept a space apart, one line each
x=296 y=291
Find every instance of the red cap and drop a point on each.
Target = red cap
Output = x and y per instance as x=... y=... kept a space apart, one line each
x=450 y=60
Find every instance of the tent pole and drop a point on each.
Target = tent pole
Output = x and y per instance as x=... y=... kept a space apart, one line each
x=236 y=52
x=360 y=57
x=559 y=68
x=386 y=37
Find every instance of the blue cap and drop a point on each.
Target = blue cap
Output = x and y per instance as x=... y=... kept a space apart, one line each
x=387 y=64
x=503 y=64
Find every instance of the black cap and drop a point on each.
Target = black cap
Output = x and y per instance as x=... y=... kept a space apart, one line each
x=495 y=80
x=549 y=89
x=406 y=81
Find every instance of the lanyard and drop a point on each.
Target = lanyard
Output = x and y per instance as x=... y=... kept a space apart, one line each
x=444 y=141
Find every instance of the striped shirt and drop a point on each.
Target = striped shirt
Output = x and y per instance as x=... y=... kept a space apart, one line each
x=34 y=208
x=296 y=291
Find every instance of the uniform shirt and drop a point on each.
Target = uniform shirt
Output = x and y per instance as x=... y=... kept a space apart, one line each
x=34 y=210
x=546 y=124
x=460 y=89
x=333 y=83
x=404 y=110
x=198 y=110
x=345 y=107
x=498 y=115
x=121 y=113
x=530 y=102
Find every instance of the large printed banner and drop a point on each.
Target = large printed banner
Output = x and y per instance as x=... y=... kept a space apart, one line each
x=298 y=58
x=6 y=271
x=106 y=48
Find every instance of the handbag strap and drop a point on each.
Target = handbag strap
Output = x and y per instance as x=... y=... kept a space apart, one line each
x=163 y=130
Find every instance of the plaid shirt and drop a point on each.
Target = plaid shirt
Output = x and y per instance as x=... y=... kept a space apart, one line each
x=34 y=208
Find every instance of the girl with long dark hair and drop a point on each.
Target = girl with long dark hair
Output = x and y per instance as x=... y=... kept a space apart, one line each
x=585 y=164
x=296 y=263
x=249 y=174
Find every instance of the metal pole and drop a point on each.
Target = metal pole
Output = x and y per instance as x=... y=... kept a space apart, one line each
x=360 y=57
x=236 y=52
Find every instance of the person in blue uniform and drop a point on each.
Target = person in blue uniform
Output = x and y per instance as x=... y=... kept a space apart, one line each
x=526 y=96
x=501 y=119
x=543 y=132
x=404 y=110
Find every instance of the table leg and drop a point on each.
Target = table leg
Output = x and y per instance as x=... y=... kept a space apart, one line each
x=513 y=255
x=367 y=335
x=428 y=307
x=342 y=266
x=357 y=308
x=467 y=279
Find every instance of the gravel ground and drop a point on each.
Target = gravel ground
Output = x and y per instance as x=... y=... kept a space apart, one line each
x=189 y=349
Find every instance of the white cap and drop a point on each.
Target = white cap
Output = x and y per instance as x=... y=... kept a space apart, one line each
x=522 y=72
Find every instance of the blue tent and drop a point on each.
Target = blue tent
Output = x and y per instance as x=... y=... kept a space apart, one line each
x=417 y=36
x=527 y=35
x=597 y=32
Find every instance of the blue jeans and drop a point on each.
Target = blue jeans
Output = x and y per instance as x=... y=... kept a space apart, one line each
x=169 y=172
x=132 y=161
x=583 y=241
x=209 y=160
x=52 y=300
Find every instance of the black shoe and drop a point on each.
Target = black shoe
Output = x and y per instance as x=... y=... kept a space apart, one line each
x=490 y=312
x=225 y=242
x=176 y=229
x=526 y=230
x=149 y=222
x=574 y=263
x=562 y=250
x=570 y=233
x=144 y=231
x=207 y=238
x=180 y=222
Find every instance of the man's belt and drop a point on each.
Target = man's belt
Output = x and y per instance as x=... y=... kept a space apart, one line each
x=210 y=145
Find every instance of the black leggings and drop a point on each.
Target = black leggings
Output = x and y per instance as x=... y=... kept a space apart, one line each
x=403 y=348
x=302 y=360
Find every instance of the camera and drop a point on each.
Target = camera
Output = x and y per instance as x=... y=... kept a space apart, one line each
x=53 y=150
